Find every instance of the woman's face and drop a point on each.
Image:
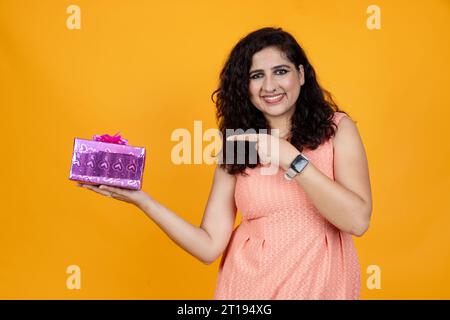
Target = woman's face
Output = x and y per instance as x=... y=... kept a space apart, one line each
x=274 y=84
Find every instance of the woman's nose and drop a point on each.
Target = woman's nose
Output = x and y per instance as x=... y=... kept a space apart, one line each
x=269 y=85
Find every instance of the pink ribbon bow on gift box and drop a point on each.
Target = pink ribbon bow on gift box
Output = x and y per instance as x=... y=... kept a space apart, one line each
x=117 y=139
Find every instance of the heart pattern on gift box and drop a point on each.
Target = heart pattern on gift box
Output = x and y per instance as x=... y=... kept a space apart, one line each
x=93 y=165
x=90 y=163
x=104 y=165
x=117 y=166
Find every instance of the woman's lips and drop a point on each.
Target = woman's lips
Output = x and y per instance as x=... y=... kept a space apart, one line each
x=273 y=99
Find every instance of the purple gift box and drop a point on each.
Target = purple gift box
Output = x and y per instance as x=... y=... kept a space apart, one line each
x=107 y=160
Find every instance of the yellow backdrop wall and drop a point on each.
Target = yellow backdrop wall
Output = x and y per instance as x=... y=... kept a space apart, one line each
x=147 y=68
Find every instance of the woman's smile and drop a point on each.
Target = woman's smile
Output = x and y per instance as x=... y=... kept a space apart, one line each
x=273 y=99
x=274 y=85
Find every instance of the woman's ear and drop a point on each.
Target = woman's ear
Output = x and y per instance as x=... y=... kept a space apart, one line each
x=301 y=74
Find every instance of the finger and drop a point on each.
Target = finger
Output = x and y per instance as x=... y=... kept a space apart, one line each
x=116 y=193
x=265 y=161
x=241 y=137
x=110 y=189
x=96 y=189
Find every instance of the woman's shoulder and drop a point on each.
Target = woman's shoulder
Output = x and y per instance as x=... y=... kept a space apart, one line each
x=338 y=115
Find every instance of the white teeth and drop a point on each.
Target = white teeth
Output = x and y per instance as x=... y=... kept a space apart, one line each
x=273 y=98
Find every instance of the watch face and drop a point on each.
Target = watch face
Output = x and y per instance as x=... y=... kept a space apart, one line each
x=299 y=163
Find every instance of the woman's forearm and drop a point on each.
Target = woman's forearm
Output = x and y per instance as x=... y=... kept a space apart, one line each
x=192 y=239
x=340 y=206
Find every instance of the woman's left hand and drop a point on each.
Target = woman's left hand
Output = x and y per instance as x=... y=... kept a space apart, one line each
x=136 y=197
x=266 y=145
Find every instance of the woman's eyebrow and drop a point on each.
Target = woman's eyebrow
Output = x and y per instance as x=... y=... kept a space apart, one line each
x=276 y=67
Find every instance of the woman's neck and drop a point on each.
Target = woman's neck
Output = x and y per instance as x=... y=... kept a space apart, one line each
x=282 y=125
x=281 y=133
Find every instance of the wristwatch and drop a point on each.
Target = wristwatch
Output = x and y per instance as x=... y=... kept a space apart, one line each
x=297 y=166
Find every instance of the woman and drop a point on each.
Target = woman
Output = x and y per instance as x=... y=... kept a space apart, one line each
x=295 y=238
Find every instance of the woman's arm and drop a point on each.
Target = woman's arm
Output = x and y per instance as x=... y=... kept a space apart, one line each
x=189 y=237
x=208 y=241
x=347 y=201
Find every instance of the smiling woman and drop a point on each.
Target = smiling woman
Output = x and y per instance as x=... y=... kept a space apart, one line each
x=275 y=86
x=268 y=83
x=295 y=238
x=294 y=241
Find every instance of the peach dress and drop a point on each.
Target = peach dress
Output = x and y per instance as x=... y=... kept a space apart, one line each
x=284 y=248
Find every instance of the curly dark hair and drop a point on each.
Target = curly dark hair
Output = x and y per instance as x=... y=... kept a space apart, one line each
x=311 y=123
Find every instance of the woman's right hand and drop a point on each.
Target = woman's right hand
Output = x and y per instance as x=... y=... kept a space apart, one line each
x=136 y=197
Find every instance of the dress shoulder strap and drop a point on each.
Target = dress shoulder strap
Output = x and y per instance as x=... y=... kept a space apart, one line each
x=338 y=116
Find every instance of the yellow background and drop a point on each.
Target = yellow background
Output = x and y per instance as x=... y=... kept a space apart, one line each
x=146 y=68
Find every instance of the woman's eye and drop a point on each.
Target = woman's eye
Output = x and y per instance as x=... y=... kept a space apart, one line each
x=277 y=72
x=256 y=76
x=282 y=71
